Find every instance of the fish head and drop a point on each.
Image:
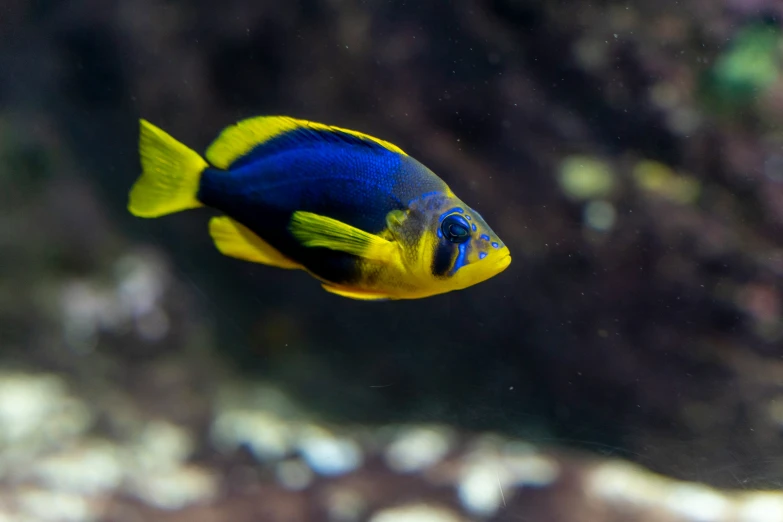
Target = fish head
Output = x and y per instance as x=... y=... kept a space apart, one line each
x=447 y=245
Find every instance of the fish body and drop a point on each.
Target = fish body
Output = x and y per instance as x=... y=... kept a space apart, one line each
x=356 y=212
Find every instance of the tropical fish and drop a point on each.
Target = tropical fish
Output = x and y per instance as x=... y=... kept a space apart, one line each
x=356 y=212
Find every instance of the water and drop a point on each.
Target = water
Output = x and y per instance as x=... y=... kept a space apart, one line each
x=626 y=366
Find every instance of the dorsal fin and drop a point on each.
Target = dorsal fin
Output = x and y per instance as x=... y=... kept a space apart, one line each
x=250 y=135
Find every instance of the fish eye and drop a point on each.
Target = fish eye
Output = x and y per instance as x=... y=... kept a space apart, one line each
x=455 y=228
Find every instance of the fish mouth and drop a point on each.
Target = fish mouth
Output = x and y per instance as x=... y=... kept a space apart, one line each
x=504 y=261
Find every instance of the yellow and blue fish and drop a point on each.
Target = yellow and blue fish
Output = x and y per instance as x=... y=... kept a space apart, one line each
x=354 y=211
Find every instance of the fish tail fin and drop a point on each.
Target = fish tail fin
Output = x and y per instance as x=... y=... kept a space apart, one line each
x=170 y=175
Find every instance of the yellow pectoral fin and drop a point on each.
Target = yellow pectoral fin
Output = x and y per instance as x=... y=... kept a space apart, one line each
x=236 y=240
x=355 y=294
x=313 y=230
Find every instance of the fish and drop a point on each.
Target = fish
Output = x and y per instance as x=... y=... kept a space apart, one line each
x=355 y=212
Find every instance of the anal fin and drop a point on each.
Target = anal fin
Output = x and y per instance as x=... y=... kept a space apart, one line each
x=355 y=294
x=236 y=240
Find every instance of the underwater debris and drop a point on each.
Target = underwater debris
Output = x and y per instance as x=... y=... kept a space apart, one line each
x=584 y=177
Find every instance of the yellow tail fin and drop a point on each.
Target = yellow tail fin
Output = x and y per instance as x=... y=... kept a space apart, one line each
x=170 y=174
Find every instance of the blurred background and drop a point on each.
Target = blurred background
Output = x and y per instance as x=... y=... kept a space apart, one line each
x=626 y=366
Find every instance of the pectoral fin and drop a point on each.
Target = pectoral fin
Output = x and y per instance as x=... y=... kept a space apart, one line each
x=355 y=294
x=236 y=240
x=313 y=230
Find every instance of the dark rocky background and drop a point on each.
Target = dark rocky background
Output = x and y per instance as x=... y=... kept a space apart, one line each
x=629 y=153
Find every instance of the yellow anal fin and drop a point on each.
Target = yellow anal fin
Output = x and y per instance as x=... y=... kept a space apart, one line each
x=313 y=230
x=355 y=294
x=236 y=240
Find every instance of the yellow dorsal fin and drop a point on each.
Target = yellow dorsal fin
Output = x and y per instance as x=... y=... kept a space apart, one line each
x=313 y=230
x=355 y=294
x=241 y=138
x=236 y=240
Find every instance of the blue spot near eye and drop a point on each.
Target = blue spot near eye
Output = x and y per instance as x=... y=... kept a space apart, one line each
x=482 y=255
x=440 y=232
x=423 y=196
x=474 y=227
x=450 y=211
x=495 y=245
x=467 y=217
x=485 y=237
x=460 y=262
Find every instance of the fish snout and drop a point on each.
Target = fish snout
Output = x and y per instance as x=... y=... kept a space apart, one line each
x=503 y=258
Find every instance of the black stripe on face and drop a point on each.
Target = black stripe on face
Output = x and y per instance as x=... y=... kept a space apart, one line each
x=443 y=258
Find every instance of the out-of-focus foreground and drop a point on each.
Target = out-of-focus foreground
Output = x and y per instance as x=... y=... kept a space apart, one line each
x=627 y=366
